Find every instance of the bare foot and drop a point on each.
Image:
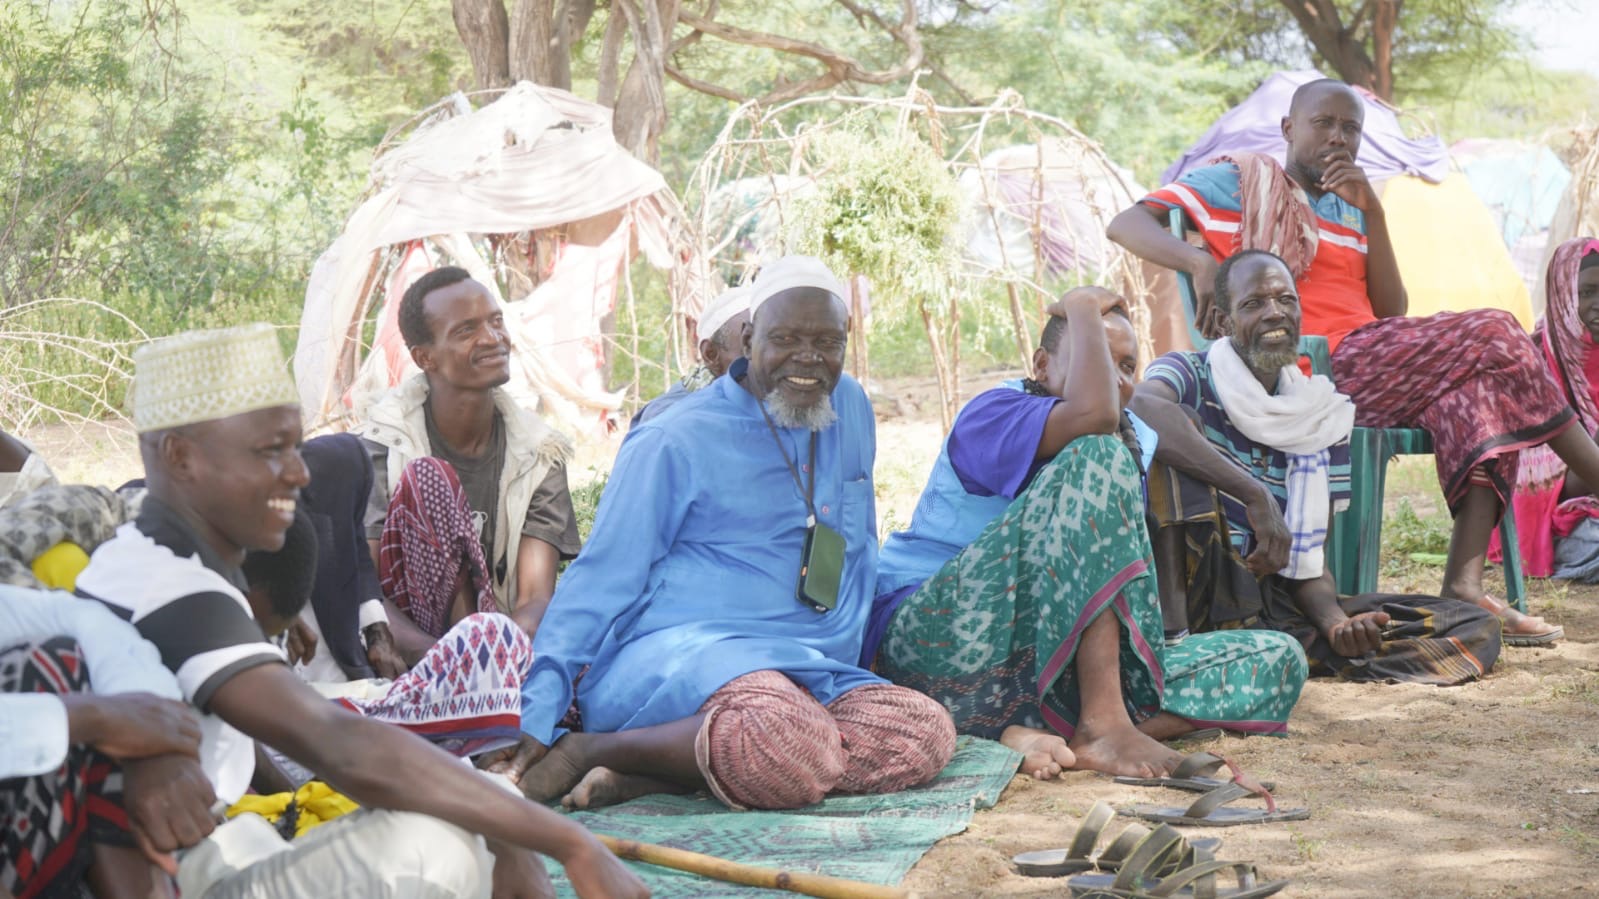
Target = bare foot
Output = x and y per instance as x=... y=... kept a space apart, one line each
x=558 y=771
x=1516 y=624
x=1045 y=753
x=1122 y=749
x=602 y=786
x=1165 y=726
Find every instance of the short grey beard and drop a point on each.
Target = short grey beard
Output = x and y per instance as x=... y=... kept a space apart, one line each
x=1260 y=360
x=812 y=418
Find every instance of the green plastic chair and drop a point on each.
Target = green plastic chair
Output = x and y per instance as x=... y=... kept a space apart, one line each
x=1354 y=547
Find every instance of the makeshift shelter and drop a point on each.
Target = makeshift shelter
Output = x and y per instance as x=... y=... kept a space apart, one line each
x=533 y=196
x=1521 y=184
x=1044 y=207
x=768 y=168
x=1447 y=243
x=1578 y=212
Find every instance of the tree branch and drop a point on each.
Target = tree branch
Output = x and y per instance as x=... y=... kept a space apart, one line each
x=839 y=67
x=704 y=87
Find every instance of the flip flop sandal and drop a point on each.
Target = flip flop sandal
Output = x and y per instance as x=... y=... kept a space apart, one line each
x=1543 y=639
x=1194 y=882
x=1169 y=855
x=1208 y=810
x=1192 y=774
x=1077 y=857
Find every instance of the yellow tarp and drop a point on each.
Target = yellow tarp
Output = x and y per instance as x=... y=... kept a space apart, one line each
x=1450 y=253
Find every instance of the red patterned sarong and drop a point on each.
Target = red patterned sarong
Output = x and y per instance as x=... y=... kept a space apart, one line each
x=465 y=695
x=428 y=540
x=1472 y=379
x=767 y=743
x=50 y=820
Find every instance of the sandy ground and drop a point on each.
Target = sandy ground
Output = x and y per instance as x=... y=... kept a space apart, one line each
x=1490 y=789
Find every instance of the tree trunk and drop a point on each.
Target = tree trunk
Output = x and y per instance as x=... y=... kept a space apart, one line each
x=534 y=44
x=1336 y=41
x=1385 y=20
x=485 y=32
x=641 y=103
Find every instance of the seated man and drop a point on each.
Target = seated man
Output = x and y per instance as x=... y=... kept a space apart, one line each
x=1270 y=442
x=1472 y=379
x=708 y=667
x=469 y=510
x=1021 y=595
x=346 y=612
x=98 y=753
x=721 y=330
x=219 y=432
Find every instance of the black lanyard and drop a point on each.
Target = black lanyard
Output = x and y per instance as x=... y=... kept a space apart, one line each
x=808 y=491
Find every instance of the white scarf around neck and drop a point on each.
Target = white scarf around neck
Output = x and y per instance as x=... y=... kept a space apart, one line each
x=1304 y=417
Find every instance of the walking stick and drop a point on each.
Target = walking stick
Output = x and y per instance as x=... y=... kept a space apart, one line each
x=749 y=875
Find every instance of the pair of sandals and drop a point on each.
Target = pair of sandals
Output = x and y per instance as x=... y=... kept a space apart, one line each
x=1161 y=864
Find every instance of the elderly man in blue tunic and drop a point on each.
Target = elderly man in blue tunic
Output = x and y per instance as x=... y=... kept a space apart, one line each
x=721 y=600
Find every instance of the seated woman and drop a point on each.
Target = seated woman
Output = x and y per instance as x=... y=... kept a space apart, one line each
x=1555 y=511
x=1023 y=594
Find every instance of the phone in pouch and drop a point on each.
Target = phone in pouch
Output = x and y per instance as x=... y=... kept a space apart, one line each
x=821 y=567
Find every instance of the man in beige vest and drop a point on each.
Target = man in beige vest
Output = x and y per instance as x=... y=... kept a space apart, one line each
x=469 y=510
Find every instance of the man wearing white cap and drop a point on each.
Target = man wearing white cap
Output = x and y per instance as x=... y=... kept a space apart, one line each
x=720 y=600
x=219 y=432
x=721 y=331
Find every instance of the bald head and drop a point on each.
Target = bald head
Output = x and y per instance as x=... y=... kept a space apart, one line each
x=1310 y=91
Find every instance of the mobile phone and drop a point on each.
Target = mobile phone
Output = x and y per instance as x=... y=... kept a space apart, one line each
x=821 y=568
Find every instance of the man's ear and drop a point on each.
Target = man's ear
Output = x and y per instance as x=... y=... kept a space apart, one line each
x=1040 y=365
x=708 y=352
x=423 y=357
x=178 y=455
x=1224 y=322
x=1288 y=129
x=747 y=340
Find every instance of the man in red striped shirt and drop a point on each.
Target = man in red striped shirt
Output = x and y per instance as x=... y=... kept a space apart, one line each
x=1473 y=379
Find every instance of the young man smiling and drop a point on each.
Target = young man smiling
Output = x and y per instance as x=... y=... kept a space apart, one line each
x=710 y=661
x=219 y=433
x=470 y=510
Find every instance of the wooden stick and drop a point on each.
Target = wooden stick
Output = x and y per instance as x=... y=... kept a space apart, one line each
x=749 y=875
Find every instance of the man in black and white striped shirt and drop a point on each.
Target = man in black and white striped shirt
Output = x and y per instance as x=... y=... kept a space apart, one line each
x=219 y=433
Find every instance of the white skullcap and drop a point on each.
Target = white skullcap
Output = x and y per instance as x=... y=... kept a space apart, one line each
x=790 y=272
x=206 y=375
x=721 y=310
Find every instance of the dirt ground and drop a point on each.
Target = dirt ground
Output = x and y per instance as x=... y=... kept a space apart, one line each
x=1490 y=789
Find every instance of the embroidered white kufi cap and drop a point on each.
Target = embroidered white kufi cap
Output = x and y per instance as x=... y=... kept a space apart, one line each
x=206 y=375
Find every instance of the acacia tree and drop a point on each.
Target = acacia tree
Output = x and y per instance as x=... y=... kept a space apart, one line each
x=535 y=39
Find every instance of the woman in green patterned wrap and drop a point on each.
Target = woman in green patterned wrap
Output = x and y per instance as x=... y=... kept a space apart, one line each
x=1030 y=529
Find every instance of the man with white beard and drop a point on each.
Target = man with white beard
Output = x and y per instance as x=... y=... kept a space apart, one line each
x=721 y=598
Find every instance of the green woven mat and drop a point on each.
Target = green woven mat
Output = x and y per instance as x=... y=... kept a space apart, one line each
x=872 y=838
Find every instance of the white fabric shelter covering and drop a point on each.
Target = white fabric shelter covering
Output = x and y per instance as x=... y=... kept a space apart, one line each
x=535 y=158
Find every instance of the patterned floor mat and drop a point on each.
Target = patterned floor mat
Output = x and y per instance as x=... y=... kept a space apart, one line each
x=871 y=838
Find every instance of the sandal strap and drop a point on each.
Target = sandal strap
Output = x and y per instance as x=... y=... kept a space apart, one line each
x=1202 y=877
x=1227 y=792
x=1087 y=836
x=1199 y=764
x=1117 y=852
x=1154 y=847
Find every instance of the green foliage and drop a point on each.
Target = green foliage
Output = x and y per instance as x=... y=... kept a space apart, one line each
x=884 y=207
x=1404 y=532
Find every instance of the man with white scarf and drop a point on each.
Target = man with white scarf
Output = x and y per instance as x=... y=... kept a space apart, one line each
x=1253 y=459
